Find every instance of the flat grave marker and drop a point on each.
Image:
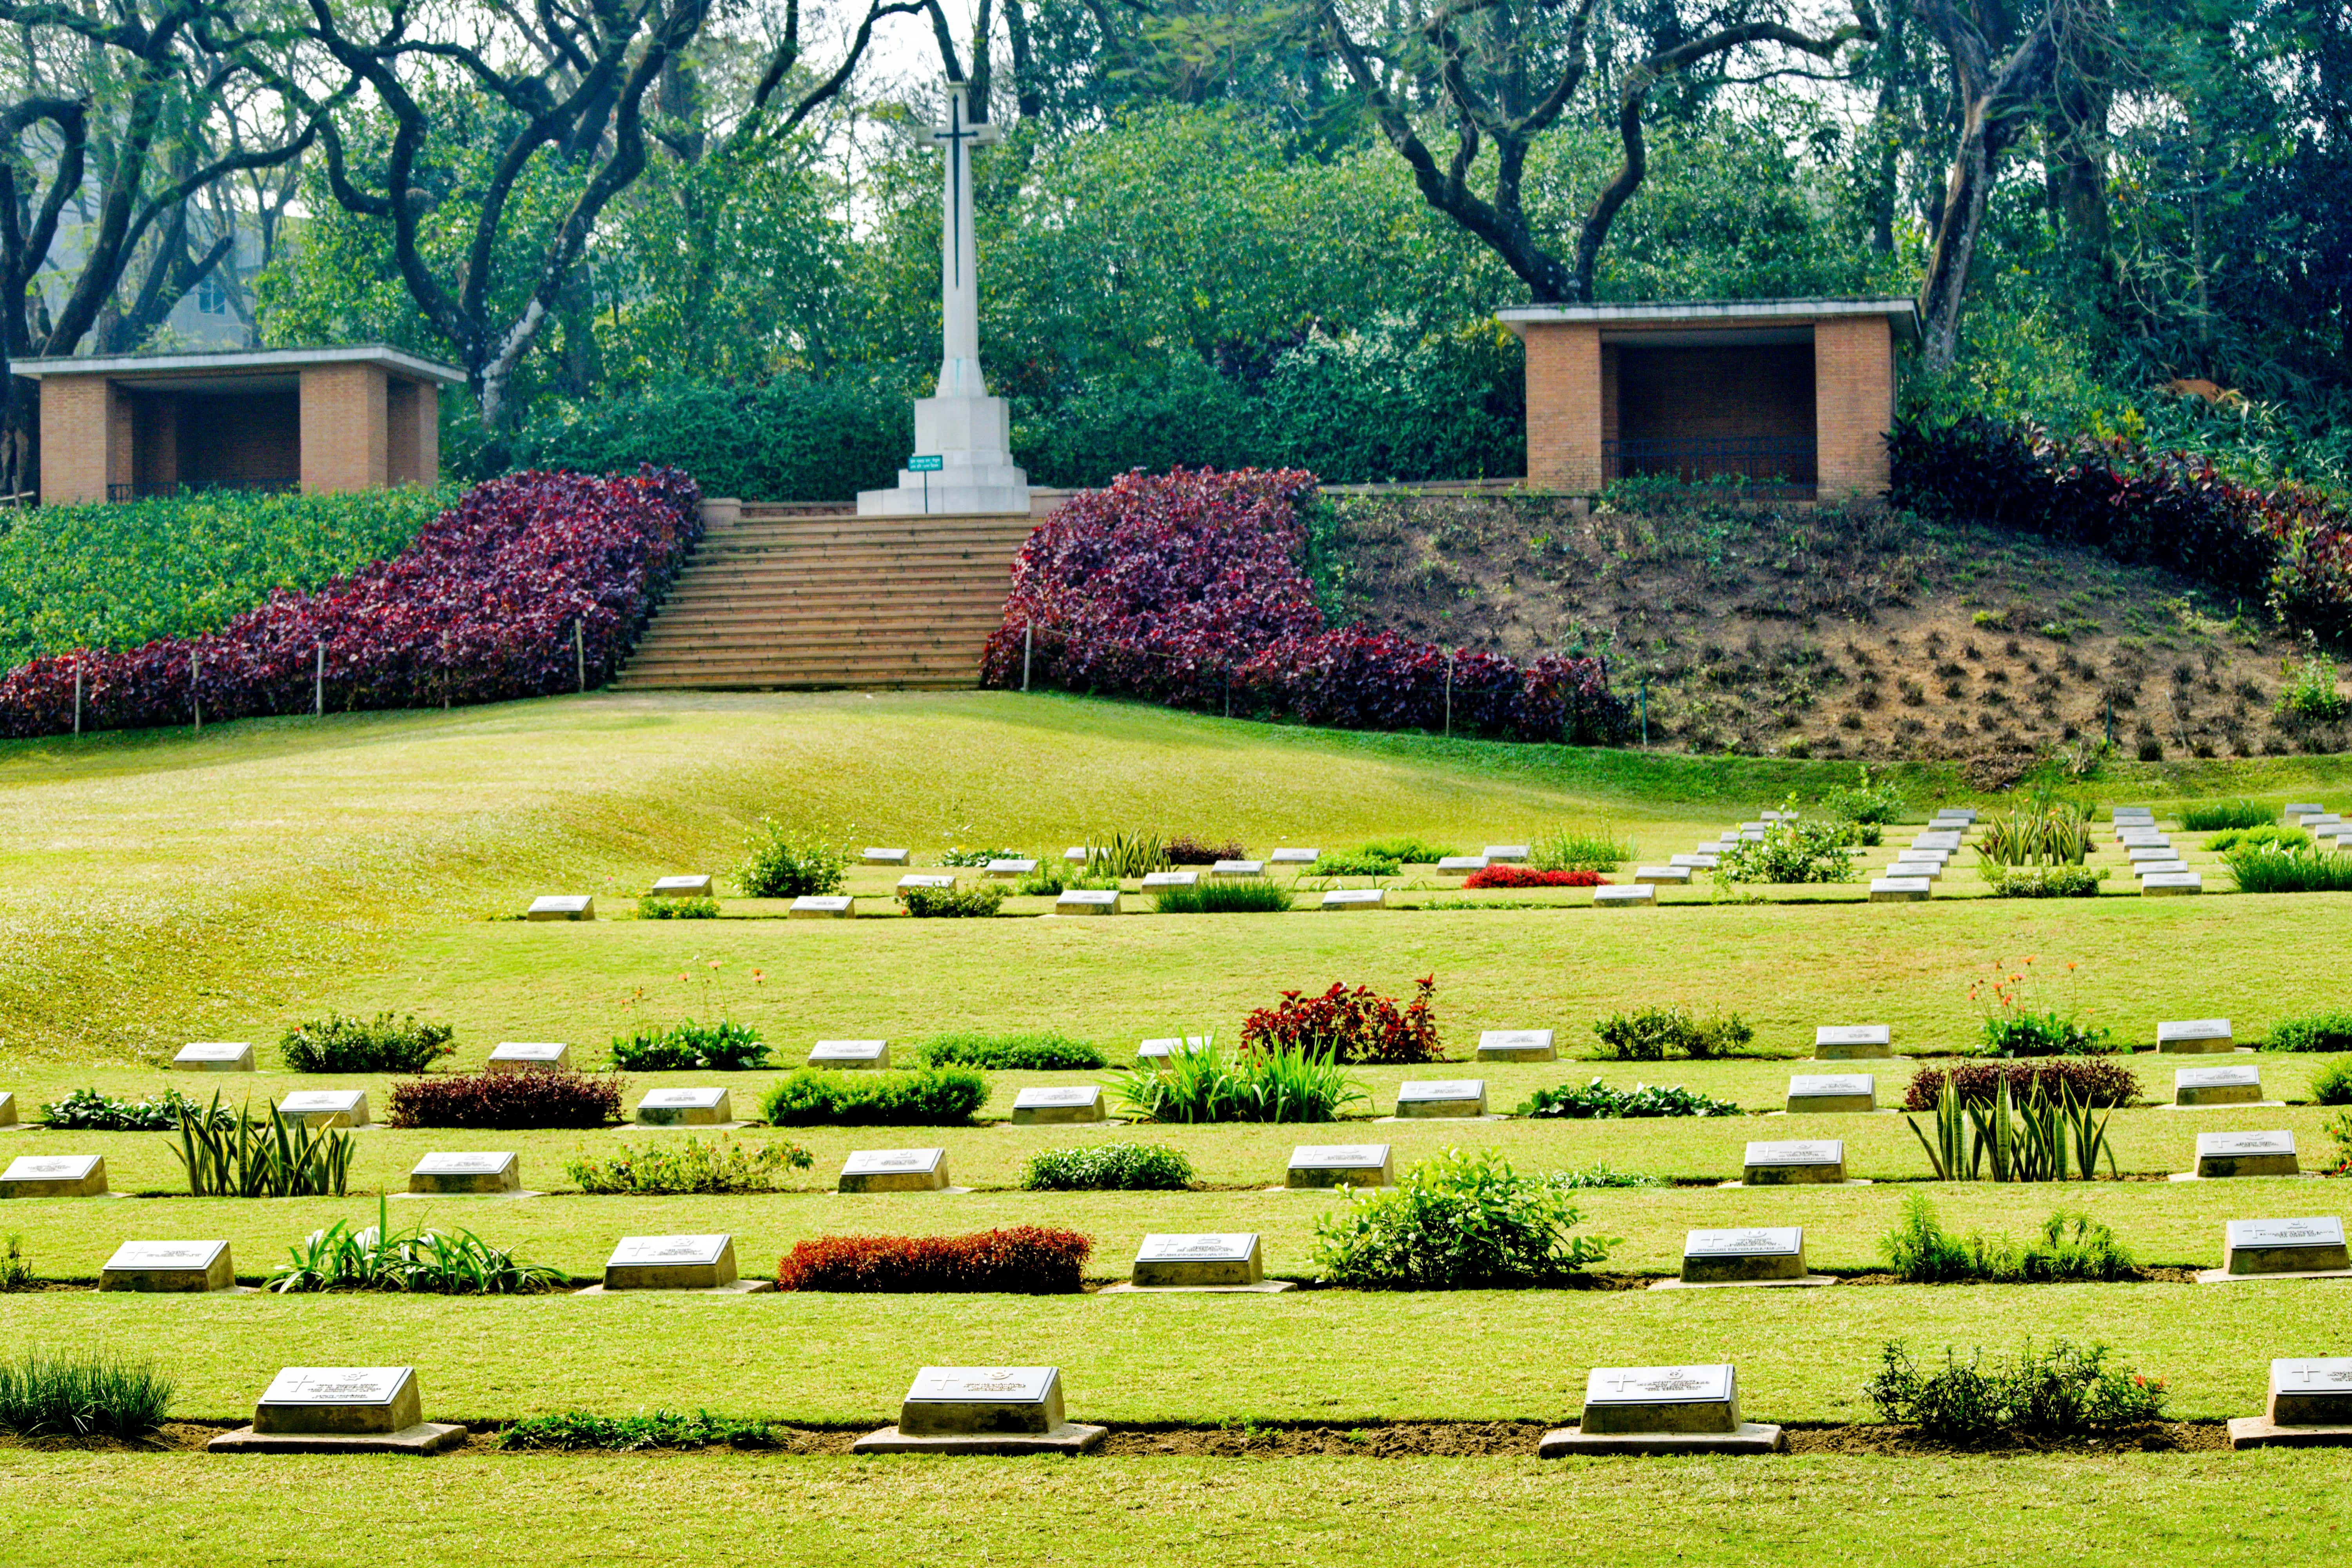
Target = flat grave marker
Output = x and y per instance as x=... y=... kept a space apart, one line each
x=1046 y=1106
x=1356 y=899
x=1460 y=864
x=1171 y=879
x=697 y=886
x=1237 y=868
x=1088 y=901
x=1745 y=1254
x=822 y=906
x=882 y=857
x=2269 y=1152
x=54 y=1176
x=895 y=1171
x=1658 y=1410
x=1832 y=1093
x=927 y=881
x=1440 y=1098
x=214 y=1056
x=562 y=907
x=1294 y=856
x=1852 y=1042
x=363 y=1409
x=990 y=1410
x=1517 y=1045
x=1619 y=897
x=1506 y=854
x=2310 y=1407
x=2193 y=1036
x=1002 y=869
x=168 y=1266
x=1210 y=1262
x=467 y=1173
x=322 y=1107
x=686 y=1108
x=1900 y=889
x=8 y=1109
x=677 y=1263
x=1663 y=876
x=2267 y=1248
x=2217 y=1085
x=2172 y=884
x=850 y=1055
x=1319 y=1166
x=1796 y=1162
x=522 y=1055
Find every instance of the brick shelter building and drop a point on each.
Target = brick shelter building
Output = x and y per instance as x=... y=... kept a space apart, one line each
x=122 y=426
x=1794 y=394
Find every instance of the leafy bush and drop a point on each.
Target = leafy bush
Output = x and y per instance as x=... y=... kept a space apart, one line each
x=1601 y=1173
x=2210 y=815
x=572 y=1431
x=778 y=865
x=2067 y=1391
x=116 y=574
x=418 y=1261
x=1107 y=1167
x=2339 y=1128
x=1247 y=896
x=88 y=1111
x=86 y=1393
x=1529 y=877
x=260 y=1157
x=1598 y=1099
x=1407 y=850
x=652 y=909
x=1045 y=1051
x=953 y=903
x=2332 y=1085
x=479 y=608
x=1653 y=1034
x=722 y=1165
x=2094 y=1082
x=2309 y=696
x=2327 y=1031
x=972 y=859
x=1197 y=849
x=1865 y=801
x=537 y=1097
x=1353 y=863
x=2044 y=881
x=1571 y=851
x=1014 y=1260
x=930 y=1097
x=1789 y=852
x=2271 y=834
x=1457 y=1221
x=2273 y=869
x=337 y=1044
x=2069 y=1246
x=723 y=1047
x=1189 y=589
x=1272 y=1084
x=1353 y=1026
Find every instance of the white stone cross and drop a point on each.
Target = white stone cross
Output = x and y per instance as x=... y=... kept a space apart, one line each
x=960 y=374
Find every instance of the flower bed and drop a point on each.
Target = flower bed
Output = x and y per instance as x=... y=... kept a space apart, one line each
x=1186 y=588
x=1529 y=877
x=480 y=609
x=1022 y=1259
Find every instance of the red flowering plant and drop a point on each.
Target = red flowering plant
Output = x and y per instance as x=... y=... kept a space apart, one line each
x=1354 y=1026
x=1529 y=877
x=1021 y=1260
x=1187 y=588
x=479 y=608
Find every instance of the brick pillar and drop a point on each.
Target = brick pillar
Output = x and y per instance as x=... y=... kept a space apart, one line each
x=1854 y=404
x=78 y=436
x=1564 y=406
x=345 y=433
x=428 y=433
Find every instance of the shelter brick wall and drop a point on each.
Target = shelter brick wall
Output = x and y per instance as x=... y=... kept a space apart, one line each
x=1853 y=380
x=345 y=433
x=244 y=438
x=1703 y=393
x=77 y=439
x=1564 y=413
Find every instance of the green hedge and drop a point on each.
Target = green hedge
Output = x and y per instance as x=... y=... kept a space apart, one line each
x=121 y=575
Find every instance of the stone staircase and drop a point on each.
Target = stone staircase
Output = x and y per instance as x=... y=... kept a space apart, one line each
x=789 y=596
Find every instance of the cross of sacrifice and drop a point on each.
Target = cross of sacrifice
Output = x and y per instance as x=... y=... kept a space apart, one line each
x=951 y=134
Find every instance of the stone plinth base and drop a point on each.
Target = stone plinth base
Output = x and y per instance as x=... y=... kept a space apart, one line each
x=425 y=1437
x=2261 y=1432
x=1800 y=1281
x=1262 y=1288
x=1070 y=1438
x=732 y=1287
x=1751 y=1438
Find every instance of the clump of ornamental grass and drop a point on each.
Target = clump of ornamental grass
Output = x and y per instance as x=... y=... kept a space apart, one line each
x=81 y=1393
x=414 y=1262
x=1279 y=1083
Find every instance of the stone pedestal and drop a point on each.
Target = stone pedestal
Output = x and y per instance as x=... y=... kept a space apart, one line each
x=1036 y=1107
x=169 y=1267
x=54 y=1176
x=493 y=1173
x=895 y=1171
x=347 y=1410
x=982 y=1410
x=1316 y=1166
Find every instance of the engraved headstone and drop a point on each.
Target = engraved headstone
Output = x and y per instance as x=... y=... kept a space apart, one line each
x=54 y=1177
x=2144 y=870
x=1296 y=856
x=685 y=887
x=1238 y=868
x=2284 y=1246
x=852 y=1054
x=1435 y=1097
x=1900 y=889
x=1619 y=897
x=822 y=907
x=168 y=1266
x=1641 y=1399
x=343 y=1400
x=2193 y=1036
x=882 y=857
x=325 y=1108
x=2264 y=1153
x=895 y=1171
x=1341 y=1165
x=1833 y=1093
x=1170 y=1046
x=2311 y=1392
x=1663 y=876
x=1517 y=1045
x=1695 y=862
x=1852 y=1042
x=671 y=1263
x=1088 y=901
x=928 y=881
x=521 y=1055
x=1740 y=1256
x=1355 y=899
x=562 y=907
x=2172 y=884
x=1076 y=855
x=1073 y=1103
x=2217 y=1085
x=466 y=1172
x=2142 y=854
x=1505 y=854
x=961 y=1400
x=215 y=1056
x=684 y=1108
x=1792 y=1162
x=7 y=1109
x=1171 y=879
x=1217 y=1258
x=1011 y=867
x=1460 y=864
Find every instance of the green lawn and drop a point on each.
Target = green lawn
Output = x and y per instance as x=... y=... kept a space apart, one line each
x=164 y=888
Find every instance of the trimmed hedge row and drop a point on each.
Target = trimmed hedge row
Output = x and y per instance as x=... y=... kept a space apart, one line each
x=1022 y=1259
x=508 y=1101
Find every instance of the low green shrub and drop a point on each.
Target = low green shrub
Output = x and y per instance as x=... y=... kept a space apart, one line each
x=1788 y=853
x=1042 y=1051
x=1653 y=1034
x=88 y=1111
x=1598 y=1099
x=83 y=1394
x=2016 y=1032
x=1865 y=801
x=1278 y=1083
x=928 y=1097
x=972 y=859
x=723 y=1165
x=1107 y=1167
x=2042 y=881
x=2327 y=1031
x=1248 y=895
x=2275 y=835
x=2213 y=815
x=2309 y=696
x=1455 y=1222
x=652 y=909
x=723 y=1047
x=415 y=1261
x=1407 y=850
x=1353 y=863
x=575 y=1431
x=2274 y=868
x=2332 y=1085
x=953 y=903
x=780 y=866
x=381 y=1044
x=1569 y=850
x=2070 y=1246
x=2065 y=1390
x=1601 y=1173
